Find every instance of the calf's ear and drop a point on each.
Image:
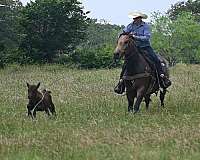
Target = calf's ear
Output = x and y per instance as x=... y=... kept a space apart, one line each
x=27 y=84
x=38 y=85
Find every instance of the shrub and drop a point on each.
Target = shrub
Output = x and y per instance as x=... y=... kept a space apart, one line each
x=100 y=57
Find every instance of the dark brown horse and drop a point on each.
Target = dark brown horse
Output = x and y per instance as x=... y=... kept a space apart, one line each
x=139 y=76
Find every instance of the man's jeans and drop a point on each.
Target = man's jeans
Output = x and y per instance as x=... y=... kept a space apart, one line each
x=153 y=57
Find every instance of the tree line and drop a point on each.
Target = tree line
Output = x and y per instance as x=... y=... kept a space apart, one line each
x=59 y=31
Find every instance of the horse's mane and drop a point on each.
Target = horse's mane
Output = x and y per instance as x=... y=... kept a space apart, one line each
x=125 y=33
x=130 y=37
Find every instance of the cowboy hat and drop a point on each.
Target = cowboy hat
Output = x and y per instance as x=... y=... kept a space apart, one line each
x=137 y=14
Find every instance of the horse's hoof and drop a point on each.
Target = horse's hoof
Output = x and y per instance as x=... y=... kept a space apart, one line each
x=130 y=109
x=136 y=111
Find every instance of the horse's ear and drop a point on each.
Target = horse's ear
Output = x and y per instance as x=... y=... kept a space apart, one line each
x=38 y=85
x=27 y=84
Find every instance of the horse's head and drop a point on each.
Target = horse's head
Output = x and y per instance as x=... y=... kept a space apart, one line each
x=124 y=44
x=32 y=91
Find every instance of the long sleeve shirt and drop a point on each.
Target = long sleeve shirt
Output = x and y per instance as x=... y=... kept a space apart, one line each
x=141 y=32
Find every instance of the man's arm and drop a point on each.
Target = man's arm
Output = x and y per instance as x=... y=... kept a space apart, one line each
x=127 y=29
x=146 y=36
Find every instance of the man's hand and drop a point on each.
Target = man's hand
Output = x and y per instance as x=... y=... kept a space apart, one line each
x=133 y=34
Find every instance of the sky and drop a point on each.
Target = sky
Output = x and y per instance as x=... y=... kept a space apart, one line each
x=116 y=11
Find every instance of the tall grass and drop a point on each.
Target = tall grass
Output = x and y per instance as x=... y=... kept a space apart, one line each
x=93 y=122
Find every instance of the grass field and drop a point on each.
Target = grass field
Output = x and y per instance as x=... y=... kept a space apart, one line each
x=93 y=122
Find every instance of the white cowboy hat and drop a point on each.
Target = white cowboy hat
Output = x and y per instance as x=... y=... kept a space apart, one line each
x=137 y=14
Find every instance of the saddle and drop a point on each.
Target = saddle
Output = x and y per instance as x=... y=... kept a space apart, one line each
x=163 y=82
x=150 y=62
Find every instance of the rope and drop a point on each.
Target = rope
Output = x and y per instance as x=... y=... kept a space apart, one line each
x=38 y=102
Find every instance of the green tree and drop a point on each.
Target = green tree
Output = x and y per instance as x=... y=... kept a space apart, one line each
x=9 y=13
x=192 y=6
x=51 y=27
x=177 y=40
x=2 y=48
x=97 y=49
x=9 y=33
x=186 y=36
x=162 y=36
x=101 y=33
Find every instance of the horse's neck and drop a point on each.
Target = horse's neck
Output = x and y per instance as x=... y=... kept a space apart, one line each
x=144 y=62
x=136 y=63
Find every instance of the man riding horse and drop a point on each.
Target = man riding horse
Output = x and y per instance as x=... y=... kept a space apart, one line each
x=141 y=33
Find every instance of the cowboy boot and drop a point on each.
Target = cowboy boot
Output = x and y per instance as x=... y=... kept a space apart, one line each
x=120 y=88
x=165 y=82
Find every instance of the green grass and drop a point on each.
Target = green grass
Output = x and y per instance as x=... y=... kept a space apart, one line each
x=93 y=122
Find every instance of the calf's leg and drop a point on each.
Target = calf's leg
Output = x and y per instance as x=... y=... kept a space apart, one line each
x=52 y=109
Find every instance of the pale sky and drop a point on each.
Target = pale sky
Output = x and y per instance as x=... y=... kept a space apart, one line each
x=116 y=12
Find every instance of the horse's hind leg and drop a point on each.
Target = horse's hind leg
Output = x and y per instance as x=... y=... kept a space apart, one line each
x=162 y=97
x=147 y=100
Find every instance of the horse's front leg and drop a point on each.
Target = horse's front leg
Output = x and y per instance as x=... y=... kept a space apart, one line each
x=130 y=97
x=140 y=96
x=131 y=94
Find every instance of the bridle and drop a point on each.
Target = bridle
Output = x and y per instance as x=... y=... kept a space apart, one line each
x=126 y=48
